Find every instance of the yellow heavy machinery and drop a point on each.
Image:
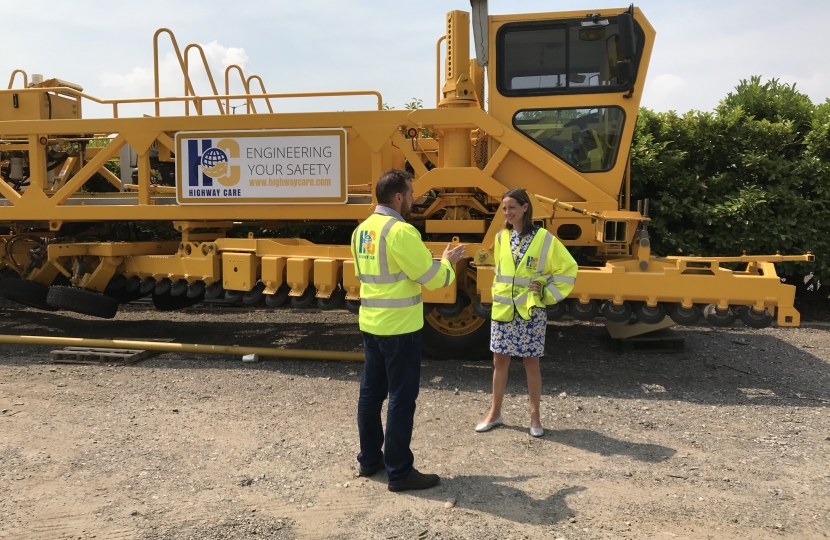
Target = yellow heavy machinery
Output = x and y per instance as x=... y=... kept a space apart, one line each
x=563 y=92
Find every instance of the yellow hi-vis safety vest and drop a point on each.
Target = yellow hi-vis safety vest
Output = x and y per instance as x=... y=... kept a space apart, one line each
x=546 y=261
x=392 y=263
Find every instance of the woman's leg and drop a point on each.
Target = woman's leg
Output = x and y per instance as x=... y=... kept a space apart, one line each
x=534 y=390
x=501 y=365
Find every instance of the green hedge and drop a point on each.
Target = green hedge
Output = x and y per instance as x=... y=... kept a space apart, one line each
x=754 y=176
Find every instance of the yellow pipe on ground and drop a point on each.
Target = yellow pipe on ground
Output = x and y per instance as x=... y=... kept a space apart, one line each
x=234 y=350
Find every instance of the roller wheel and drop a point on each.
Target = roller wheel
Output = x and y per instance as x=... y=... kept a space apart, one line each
x=719 y=318
x=179 y=288
x=82 y=301
x=428 y=307
x=617 y=314
x=278 y=298
x=166 y=302
x=214 y=291
x=755 y=319
x=119 y=288
x=352 y=306
x=196 y=289
x=133 y=284
x=335 y=301
x=25 y=292
x=147 y=286
x=649 y=315
x=254 y=295
x=233 y=297
x=685 y=316
x=557 y=311
x=583 y=312
x=485 y=311
x=449 y=311
x=305 y=300
x=163 y=286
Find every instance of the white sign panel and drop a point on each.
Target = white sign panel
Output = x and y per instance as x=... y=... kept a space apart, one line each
x=256 y=167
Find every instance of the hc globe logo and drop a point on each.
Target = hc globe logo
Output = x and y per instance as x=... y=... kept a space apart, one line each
x=213 y=163
x=367 y=242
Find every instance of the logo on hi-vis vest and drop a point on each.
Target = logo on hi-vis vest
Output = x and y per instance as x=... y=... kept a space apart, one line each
x=367 y=242
x=532 y=263
x=214 y=163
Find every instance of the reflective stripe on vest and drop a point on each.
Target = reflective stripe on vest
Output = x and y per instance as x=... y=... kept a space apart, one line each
x=429 y=274
x=506 y=300
x=395 y=303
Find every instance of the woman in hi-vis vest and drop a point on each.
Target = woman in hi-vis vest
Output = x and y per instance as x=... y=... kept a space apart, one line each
x=533 y=270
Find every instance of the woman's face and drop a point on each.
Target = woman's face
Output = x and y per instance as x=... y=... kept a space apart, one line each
x=513 y=212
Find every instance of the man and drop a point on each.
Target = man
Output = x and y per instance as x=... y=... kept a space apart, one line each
x=392 y=263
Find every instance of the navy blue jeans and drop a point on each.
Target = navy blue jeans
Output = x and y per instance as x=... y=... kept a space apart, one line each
x=393 y=368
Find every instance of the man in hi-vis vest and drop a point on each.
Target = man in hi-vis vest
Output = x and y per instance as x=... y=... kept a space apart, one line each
x=392 y=263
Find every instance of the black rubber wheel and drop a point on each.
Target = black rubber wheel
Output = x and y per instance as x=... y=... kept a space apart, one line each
x=450 y=311
x=557 y=311
x=352 y=306
x=119 y=288
x=82 y=301
x=163 y=286
x=179 y=288
x=196 y=289
x=755 y=319
x=583 y=312
x=133 y=284
x=428 y=307
x=278 y=298
x=719 y=318
x=335 y=301
x=472 y=346
x=686 y=317
x=214 y=291
x=234 y=297
x=147 y=286
x=305 y=300
x=649 y=315
x=485 y=311
x=117 y=284
x=25 y=292
x=254 y=295
x=617 y=314
x=165 y=302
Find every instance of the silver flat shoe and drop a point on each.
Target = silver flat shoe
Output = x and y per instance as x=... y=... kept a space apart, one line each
x=485 y=426
x=537 y=432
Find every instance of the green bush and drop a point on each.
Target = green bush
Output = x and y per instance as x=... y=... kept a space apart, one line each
x=754 y=176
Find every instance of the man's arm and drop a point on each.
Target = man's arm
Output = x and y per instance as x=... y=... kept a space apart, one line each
x=416 y=260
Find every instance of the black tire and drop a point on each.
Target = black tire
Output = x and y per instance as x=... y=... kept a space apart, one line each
x=428 y=307
x=25 y=292
x=179 y=288
x=472 y=346
x=450 y=311
x=557 y=311
x=755 y=319
x=166 y=302
x=278 y=298
x=162 y=287
x=485 y=311
x=214 y=291
x=304 y=300
x=254 y=295
x=686 y=317
x=719 y=318
x=352 y=306
x=335 y=301
x=147 y=285
x=583 y=312
x=233 y=297
x=617 y=314
x=133 y=284
x=196 y=289
x=82 y=301
x=649 y=315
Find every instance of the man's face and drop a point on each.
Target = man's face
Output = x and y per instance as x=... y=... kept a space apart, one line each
x=407 y=200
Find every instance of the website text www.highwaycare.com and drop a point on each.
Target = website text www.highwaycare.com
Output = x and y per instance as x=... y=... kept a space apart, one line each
x=290 y=182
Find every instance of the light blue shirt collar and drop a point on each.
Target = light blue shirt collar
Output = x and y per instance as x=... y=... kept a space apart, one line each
x=386 y=211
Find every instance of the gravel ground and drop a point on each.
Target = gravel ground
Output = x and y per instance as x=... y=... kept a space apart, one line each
x=727 y=439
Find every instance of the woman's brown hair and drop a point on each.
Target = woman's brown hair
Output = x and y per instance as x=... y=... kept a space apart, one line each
x=520 y=196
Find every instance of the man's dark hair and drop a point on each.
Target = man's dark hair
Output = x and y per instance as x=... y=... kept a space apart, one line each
x=520 y=196
x=391 y=182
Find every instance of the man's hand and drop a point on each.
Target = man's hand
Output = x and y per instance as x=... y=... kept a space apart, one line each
x=453 y=255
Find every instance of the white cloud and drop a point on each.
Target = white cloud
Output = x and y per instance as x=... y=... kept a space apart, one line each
x=661 y=91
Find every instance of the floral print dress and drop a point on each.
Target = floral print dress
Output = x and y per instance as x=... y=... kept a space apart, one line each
x=525 y=339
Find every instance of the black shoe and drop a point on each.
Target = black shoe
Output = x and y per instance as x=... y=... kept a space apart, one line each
x=371 y=471
x=415 y=480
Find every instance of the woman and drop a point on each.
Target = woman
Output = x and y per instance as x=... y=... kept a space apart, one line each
x=533 y=269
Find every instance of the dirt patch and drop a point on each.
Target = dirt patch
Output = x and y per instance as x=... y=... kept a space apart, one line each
x=728 y=439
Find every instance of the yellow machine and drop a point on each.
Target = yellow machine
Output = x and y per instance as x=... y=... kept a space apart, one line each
x=563 y=92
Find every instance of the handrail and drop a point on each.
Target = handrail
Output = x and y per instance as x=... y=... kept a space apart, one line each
x=187 y=83
x=209 y=74
x=25 y=78
x=248 y=103
x=262 y=86
x=200 y=99
x=438 y=69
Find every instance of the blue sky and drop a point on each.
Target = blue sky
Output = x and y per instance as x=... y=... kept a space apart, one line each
x=703 y=48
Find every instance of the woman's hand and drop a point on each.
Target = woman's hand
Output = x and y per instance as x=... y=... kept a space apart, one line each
x=536 y=287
